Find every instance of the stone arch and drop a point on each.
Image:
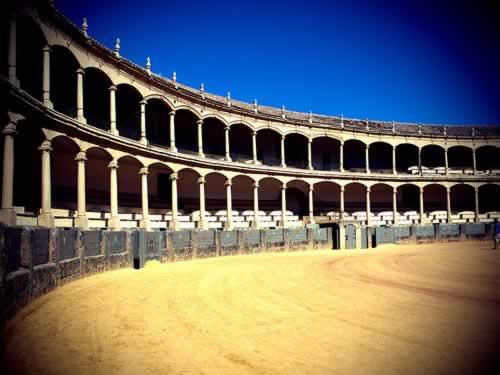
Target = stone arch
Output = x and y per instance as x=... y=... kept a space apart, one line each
x=354 y=155
x=355 y=197
x=408 y=197
x=406 y=157
x=216 y=116
x=488 y=198
x=242 y=122
x=96 y=102
x=242 y=192
x=97 y=187
x=325 y=153
x=381 y=195
x=214 y=137
x=129 y=184
x=158 y=122
x=190 y=109
x=159 y=186
x=186 y=130
x=188 y=190
x=215 y=191
x=128 y=110
x=460 y=157
x=462 y=197
x=297 y=197
x=488 y=157
x=380 y=157
x=270 y=194
x=435 y=197
x=240 y=142
x=269 y=146
x=29 y=55
x=296 y=144
x=169 y=103
x=432 y=156
x=63 y=77
x=326 y=198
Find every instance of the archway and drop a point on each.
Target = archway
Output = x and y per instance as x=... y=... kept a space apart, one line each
x=270 y=194
x=460 y=157
x=325 y=154
x=488 y=198
x=488 y=157
x=158 y=122
x=297 y=197
x=432 y=156
x=128 y=111
x=355 y=197
x=242 y=193
x=64 y=173
x=214 y=145
x=63 y=67
x=240 y=143
x=97 y=179
x=326 y=198
x=435 y=198
x=269 y=147
x=380 y=156
x=296 y=150
x=406 y=157
x=159 y=188
x=408 y=198
x=96 y=104
x=462 y=198
x=354 y=156
x=381 y=198
x=188 y=191
x=215 y=192
x=186 y=131
x=129 y=185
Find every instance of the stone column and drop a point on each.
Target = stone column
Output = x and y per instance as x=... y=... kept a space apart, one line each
x=421 y=205
x=46 y=219
x=112 y=110
x=341 y=157
x=254 y=147
x=79 y=96
x=395 y=206
x=7 y=213
x=114 y=221
x=311 y=204
x=474 y=165
x=476 y=205
x=309 y=154
x=448 y=206
x=226 y=137
x=394 y=171
x=368 y=208
x=283 y=206
x=229 y=205
x=283 y=163
x=174 y=221
x=342 y=212
x=12 y=51
x=144 y=193
x=202 y=224
x=81 y=220
x=255 y=223
x=172 y=131
x=200 y=138
x=144 y=140
x=420 y=161
x=367 y=158
x=446 y=161
x=46 y=77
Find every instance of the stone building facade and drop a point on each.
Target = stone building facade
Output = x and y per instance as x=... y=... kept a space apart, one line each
x=92 y=140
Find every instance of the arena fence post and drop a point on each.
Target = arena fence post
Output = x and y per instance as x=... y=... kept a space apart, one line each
x=241 y=242
x=286 y=239
x=194 y=244
x=413 y=234
x=329 y=236
x=263 y=242
x=310 y=239
x=170 y=246
x=342 y=239
x=105 y=243
x=217 y=243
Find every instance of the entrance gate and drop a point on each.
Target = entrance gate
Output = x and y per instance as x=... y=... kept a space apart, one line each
x=350 y=236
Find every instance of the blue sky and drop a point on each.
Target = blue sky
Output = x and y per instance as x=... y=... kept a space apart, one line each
x=424 y=61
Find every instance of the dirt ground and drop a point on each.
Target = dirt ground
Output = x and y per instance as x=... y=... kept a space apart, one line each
x=426 y=309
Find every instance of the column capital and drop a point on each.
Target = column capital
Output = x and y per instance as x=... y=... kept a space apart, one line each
x=476 y=189
x=80 y=70
x=283 y=186
x=144 y=170
x=227 y=127
x=113 y=164
x=254 y=133
x=46 y=48
x=255 y=184
x=112 y=88
x=283 y=137
x=81 y=156
x=201 y=180
x=45 y=146
x=198 y=122
x=10 y=129
x=309 y=140
x=174 y=176
x=367 y=145
x=448 y=189
x=368 y=189
x=311 y=187
x=143 y=102
x=172 y=113
x=395 y=189
x=342 y=188
x=228 y=182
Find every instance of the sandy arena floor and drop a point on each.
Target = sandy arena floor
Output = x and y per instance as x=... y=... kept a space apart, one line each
x=424 y=309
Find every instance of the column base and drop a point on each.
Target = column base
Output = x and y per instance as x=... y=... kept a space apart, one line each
x=114 y=223
x=81 y=119
x=46 y=219
x=282 y=224
x=173 y=148
x=228 y=158
x=202 y=224
x=283 y=165
x=201 y=154
x=228 y=225
x=47 y=103
x=8 y=216
x=144 y=141
x=254 y=225
x=114 y=131
x=14 y=81
x=145 y=223
x=82 y=222
x=310 y=167
x=173 y=224
x=311 y=220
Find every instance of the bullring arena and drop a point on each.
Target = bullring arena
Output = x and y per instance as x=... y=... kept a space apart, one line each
x=113 y=174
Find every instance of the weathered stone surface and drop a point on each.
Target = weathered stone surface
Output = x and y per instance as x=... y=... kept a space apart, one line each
x=44 y=278
x=94 y=264
x=69 y=269
x=17 y=291
x=121 y=260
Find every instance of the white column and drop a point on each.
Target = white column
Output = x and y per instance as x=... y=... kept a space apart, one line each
x=448 y=206
x=200 y=138
x=12 y=51
x=229 y=205
x=144 y=140
x=46 y=77
x=446 y=161
x=420 y=161
x=202 y=224
x=341 y=157
x=144 y=194
x=112 y=110
x=172 y=131
x=367 y=158
x=368 y=209
x=7 y=213
x=254 y=147
x=114 y=221
x=255 y=223
x=342 y=208
x=46 y=219
x=283 y=164
x=79 y=96
x=226 y=138
x=309 y=154
x=81 y=220
x=174 y=221
x=421 y=206
x=283 y=206
x=394 y=171
x=311 y=204
x=476 y=205
x=474 y=165
x=395 y=213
